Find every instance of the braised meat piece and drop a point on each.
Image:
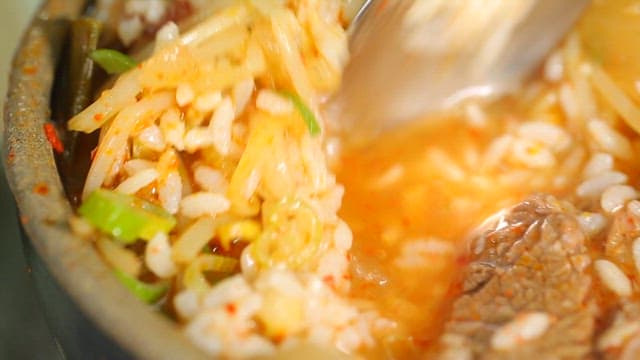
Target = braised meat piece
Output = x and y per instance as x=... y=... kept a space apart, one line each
x=525 y=292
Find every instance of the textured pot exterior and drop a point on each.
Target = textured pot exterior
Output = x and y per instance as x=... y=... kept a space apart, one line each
x=44 y=210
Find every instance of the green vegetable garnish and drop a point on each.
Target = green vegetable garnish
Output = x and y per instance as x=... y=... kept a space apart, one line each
x=148 y=293
x=113 y=61
x=306 y=113
x=85 y=34
x=125 y=217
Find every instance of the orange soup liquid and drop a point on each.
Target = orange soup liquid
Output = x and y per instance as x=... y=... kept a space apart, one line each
x=418 y=184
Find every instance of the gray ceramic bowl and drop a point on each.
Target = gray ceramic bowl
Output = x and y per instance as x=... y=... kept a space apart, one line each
x=44 y=209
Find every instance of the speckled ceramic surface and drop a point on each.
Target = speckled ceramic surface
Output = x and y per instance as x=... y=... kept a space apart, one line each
x=32 y=174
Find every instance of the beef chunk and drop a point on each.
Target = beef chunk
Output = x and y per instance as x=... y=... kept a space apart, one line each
x=525 y=292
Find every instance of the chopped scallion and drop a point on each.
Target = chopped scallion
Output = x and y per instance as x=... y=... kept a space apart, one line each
x=306 y=113
x=113 y=61
x=125 y=217
x=149 y=293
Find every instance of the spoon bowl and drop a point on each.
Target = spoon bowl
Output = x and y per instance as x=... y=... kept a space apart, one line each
x=412 y=57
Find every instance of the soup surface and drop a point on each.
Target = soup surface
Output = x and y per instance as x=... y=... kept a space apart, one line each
x=415 y=197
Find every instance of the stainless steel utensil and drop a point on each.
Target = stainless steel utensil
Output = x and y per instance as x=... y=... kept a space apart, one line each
x=410 y=57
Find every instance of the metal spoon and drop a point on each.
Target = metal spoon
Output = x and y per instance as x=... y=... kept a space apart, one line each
x=411 y=57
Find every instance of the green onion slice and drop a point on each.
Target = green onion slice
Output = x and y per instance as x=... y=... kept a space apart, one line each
x=149 y=293
x=306 y=113
x=125 y=217
x=113 y=61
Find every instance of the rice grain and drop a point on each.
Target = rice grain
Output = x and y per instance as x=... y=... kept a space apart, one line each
x=497 y=151
x=596 y=185
x=476 y=116
x=192 y=240
x=617 y=335
x=525 y=327
x=592 y=223
x=136 y=182
x=134 y=166
x=184 y=94
x=616 y=196
x=170 y=192
x=551 y=135
x=273 y=103
x=220 y=126
x=599 y=163
x=210 y=179
x=198 y=138
x=130 y=29
x=157 y=256
x=532 y=154
x=167 y=34
x=151 y=137
x=568 y=101
x=613 y=278
x=204 y=203
x=422 y=252
x=173 y=128
x=241 y=93
x=554 y=67
x=634 y=207
x=343 y=236
x=208 y=102
x=186 y=303
x=610 y=140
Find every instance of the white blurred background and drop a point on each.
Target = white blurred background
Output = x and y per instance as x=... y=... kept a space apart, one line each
x=14 y=15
